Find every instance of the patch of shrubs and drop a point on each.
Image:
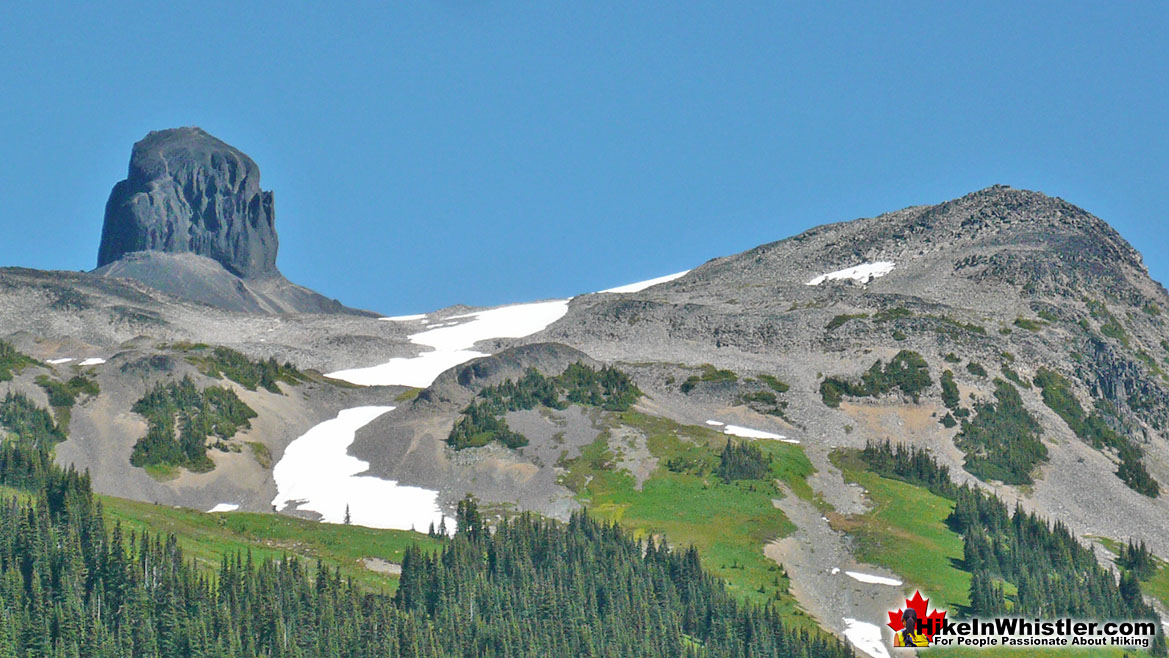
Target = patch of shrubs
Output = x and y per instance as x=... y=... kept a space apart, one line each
x=1002 y=442
x=907 y=371
x=181 y=418
x=1092 y=428
x=742 y=461
x=482 y=421
x=12 y=361
x=226 y=362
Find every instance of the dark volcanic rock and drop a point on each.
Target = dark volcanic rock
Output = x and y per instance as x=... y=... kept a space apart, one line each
x=189 y=192
x=191 y=220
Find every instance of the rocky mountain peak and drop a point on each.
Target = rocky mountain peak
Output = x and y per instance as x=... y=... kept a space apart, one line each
x=187 y=191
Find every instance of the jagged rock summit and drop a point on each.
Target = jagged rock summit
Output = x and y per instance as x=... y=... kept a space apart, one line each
x=191 y=220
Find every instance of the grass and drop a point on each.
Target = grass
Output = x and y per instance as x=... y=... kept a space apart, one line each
x=686 y=503
x=906 y=532
x=408 y=395
x=261 y=453
x=206 y=538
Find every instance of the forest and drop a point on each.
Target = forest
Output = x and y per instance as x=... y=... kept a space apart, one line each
x=1002 y=441
x=72 y=586
x=1053 y=574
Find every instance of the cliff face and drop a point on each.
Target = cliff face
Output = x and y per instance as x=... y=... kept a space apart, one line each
x=187 y=191
x=191 y=220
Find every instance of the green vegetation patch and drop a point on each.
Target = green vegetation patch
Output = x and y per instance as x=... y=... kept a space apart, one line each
x=225 y=362
x=181 y=418
x=906 y=532
x=1094 y=429
x=208 y=538
x=1002 y=442
x=1029 y=324
x=12 y=361
x=1015 y=564
x=907 y=371
x=709 y=374
x=774 y=383
x=63 y=395
x=844 y=318
x=687 y=502
x=27 y=424
x=890 y=314
x=975 y=368
x=482 y=421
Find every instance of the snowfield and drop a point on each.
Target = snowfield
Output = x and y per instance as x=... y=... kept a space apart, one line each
x=319 y=474
x=642 y=285
x=223 y=507
x=405 y=318
x=57 y=362
x=861 y=273
x=451 y=345
x=749 y=433
x=866 y=637
x=95 y=361
x=873 y=580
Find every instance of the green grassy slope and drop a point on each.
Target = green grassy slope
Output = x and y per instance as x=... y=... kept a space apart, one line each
x=207 y=537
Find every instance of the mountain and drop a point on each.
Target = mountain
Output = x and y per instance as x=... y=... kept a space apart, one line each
x=190 y=219
x=1012 y=337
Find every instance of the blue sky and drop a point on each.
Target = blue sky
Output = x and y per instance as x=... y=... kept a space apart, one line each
x=478 y=152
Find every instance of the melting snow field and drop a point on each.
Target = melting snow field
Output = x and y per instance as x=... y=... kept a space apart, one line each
x=873 y=580
x=223 y=507
x=57 y=362
x=642 y=285
x=865 y=637
x=452 y=344
x=92 y=362
x=861 y=273
x=318 y=472
x=749 y=433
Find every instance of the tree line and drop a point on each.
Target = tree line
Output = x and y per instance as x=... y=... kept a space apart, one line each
x=1054 y=575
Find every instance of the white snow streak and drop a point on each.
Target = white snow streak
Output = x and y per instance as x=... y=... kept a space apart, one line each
x=223 y=507
x=95 y=361
x=57 y=362
x=865 y=637
x=405 y=318
x=451 y=345
x=861 y=273
x=749 y=433
x=873 y=580
x=715 y=423
x=642 y=285
x=318 y=472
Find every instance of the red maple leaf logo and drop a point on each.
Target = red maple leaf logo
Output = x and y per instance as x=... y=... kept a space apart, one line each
x=932 y=621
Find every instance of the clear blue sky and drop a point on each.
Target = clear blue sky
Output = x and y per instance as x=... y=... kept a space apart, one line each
x=428 y=154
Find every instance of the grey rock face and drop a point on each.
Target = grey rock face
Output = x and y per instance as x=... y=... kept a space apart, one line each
x=190 y=192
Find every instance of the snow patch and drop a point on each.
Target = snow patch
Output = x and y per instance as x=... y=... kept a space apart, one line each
x=748 y=433
x=95 y=361
x=405 y=318
x=873 y=580
x=451 y=345
x=715 y=423
x=223 y=507
x=318 y=473
x=861 y=273
x=642 y=285
x=57 y=362
x=866 y=637
x=835 y=570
